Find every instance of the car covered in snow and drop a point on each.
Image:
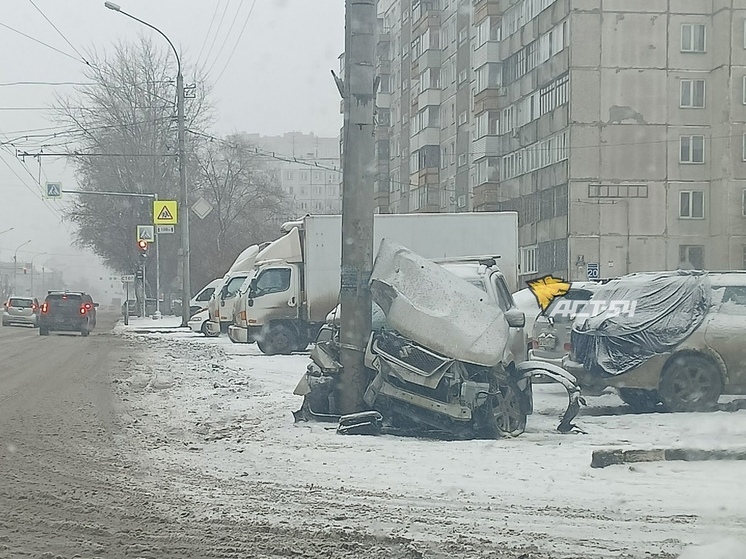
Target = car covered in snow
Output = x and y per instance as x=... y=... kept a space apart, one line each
x=670 y=338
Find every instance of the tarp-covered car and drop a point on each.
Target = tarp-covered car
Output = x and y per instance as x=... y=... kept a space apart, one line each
x=667 y=337
x=444 y=361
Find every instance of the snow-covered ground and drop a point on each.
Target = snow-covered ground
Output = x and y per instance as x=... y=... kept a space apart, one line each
x=223 y=412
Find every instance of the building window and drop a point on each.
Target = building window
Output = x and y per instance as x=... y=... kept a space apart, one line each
x=462 y=159
x=463 y=34
x=692 y=256
x=692 y=149
x=692 y=94
x=693 y=37
x=528 y=260
x=462 y=118
x=692 y=204
x=462 y=76
x=743 y=204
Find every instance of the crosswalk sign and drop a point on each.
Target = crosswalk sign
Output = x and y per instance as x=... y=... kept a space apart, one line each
x=165 y=212
x=146 y=233
x=53 y=190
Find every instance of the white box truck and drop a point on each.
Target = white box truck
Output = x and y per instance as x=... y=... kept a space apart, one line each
x=221 y=302
x=296 y=279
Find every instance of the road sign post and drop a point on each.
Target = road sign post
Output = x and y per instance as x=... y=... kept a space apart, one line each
x=127 y=280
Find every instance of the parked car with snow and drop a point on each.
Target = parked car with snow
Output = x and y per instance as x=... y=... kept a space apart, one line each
x=201 y=300
x=670 y=338
x=199 y=323
x=550 y=336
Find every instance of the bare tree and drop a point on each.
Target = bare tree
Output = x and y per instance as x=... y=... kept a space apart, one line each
x=247 y=200
x=124 y=126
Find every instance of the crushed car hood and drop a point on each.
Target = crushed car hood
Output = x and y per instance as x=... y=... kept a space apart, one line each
x=431 y=306
x=669 y=306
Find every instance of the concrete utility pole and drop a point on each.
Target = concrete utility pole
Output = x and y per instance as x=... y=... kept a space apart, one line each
x=357 y=199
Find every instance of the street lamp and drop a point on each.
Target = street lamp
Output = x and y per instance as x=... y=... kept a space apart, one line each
x=186 y=288
x=15 y=267
x=11 y=229
x=32 y=270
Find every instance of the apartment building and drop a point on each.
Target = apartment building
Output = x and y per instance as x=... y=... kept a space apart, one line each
x=308 y=169
x=614 y=127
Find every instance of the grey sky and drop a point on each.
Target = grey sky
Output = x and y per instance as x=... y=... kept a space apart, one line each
x=277 y=81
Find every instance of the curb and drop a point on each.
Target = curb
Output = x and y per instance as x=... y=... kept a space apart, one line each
x=604 y=458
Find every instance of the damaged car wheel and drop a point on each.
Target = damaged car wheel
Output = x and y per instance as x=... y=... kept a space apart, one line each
x=506 y=410
x=690 y=383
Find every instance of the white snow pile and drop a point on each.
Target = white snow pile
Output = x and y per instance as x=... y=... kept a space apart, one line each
x=223 y=410
x=724 y=549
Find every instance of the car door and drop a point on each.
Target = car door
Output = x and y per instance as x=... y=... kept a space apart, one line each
x=724 y=333
x=271 y=292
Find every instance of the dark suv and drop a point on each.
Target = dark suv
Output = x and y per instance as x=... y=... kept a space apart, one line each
x=67 y=311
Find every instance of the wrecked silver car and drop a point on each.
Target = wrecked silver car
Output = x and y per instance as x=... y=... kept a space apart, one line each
x=443 y=362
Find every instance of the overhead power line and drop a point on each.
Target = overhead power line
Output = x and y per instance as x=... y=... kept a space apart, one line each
x=207 y=35
x=226 y=36
x=230 y=56
x=43 y=43
x=215 y=38
x=58 y=31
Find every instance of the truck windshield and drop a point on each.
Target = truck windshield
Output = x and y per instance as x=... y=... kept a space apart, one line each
x=233 y=286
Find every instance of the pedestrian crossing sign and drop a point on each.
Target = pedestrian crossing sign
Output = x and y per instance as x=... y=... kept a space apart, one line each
x=165 y=212
x=145 y=233
x=53 y=190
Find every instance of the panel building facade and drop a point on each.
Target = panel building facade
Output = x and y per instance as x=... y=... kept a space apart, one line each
x=614 y=127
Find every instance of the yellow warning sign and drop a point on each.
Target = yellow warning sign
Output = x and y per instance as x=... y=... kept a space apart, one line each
x=165 y=212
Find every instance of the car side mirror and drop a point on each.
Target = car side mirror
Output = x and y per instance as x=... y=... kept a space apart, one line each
x=515 y=318
x=95 y=305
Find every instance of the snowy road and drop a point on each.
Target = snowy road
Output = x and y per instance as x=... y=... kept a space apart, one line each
x=215 y=418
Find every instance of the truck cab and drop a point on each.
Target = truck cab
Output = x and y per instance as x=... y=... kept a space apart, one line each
x=221 y=302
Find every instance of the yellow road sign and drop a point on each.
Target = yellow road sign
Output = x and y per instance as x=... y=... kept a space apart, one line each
x=165 y=212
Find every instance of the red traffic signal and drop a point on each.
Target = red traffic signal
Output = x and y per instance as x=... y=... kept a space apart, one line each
x=142 y=244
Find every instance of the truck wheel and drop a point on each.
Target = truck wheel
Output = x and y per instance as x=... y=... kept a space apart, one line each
x=84 y=332
x=43 y=331
x=639 y=399
x=690 y=382
x=278 y=340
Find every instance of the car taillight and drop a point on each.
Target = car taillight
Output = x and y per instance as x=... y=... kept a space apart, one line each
x=568 y=347
x=44 y=308
x=83 y=309
x=88 y=306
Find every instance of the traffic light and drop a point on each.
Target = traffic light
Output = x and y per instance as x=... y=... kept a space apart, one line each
x=143 y=246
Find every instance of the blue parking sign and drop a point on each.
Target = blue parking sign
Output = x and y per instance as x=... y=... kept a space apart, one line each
x=593 y=271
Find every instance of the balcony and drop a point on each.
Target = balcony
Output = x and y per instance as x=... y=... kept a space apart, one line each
x=430 y=96
x=429 y=136
x=488 y=52
x=486 y=197
x=486 y=146
x=383 y=100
